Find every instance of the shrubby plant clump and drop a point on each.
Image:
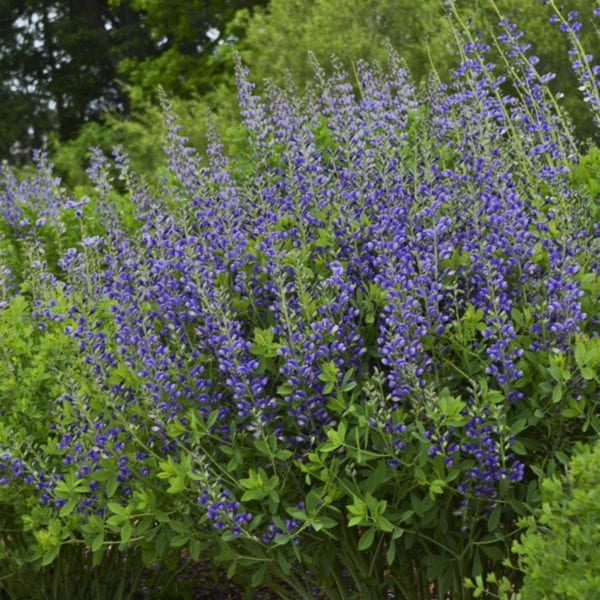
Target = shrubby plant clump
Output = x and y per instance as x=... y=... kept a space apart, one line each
x=560 y=547
x=337 y=362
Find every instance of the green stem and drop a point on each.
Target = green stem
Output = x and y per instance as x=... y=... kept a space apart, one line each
x=291 y=581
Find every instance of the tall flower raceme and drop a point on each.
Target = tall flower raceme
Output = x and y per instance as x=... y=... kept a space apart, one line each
x=583 y=62
x=34 y=201
x=359 y=340
x=6 y=281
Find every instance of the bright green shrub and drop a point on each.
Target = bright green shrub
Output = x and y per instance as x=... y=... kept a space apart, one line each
x=560 y=550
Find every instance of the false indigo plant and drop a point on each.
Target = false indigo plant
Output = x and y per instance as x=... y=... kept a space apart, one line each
x=337 y=362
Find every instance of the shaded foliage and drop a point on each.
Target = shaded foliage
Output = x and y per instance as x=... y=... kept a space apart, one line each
x=69 y=62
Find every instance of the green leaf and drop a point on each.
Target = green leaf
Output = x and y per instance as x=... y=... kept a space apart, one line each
x=97 y=542
x=111 y=487
x=357 y=521
x=117 y=508
x=212 y=418
x=68 y=508
x=358 y=507
x=492 y=552
x=391 y=553
x=406 y=516
x=263 y=448
x=50 y=555
x=329 y=387
x=418 y=505
x=273 y=501
x=283 y=454
x=253 y=481
x=194 y=549
x=296 y=513
x=518 y=426
x=284 y=564
x=98 y=556
x=580 y=352
x=180 y=540
x=381 y=475
x=323 y=523
x=255 y=495
x=232 y=569
x=494 y=519
x=587 y=373
x=518 y=448
x=436 y=565
x=149 y=556
x=366 y=539
x=145 y=524
x=328 y=447
x=126 y=531
x=557 y=393
x=436 y=487
x=517 y=316
x=450 y=409
x=258 y=576
x=281 y=539
x=115 y=520
x=179 y=526
x=384 y=525
x=337 y=403
x=176 y=485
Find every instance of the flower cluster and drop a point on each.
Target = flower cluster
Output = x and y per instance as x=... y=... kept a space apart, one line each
x=583 y=63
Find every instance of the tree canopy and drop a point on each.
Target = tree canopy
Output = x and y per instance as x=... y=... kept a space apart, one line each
x=67 y=62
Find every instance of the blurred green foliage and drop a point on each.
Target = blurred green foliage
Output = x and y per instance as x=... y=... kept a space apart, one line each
x=560 y=550
x=64 y=64
x=188 y=34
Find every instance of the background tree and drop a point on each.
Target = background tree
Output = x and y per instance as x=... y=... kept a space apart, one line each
x=187 y=34
x=67 y=62
x=280 y=37
x=59 y=66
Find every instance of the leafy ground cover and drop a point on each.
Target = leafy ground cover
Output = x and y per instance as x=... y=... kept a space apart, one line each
x=337 y=363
